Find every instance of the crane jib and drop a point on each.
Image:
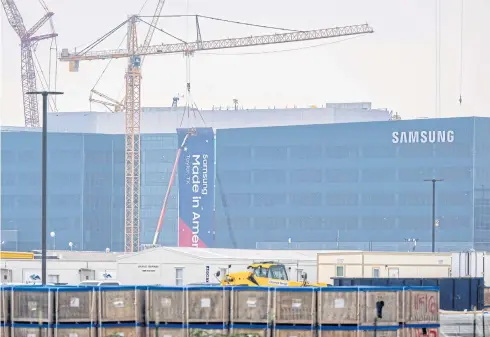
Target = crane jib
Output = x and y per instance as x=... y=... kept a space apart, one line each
x=133 y=93
x=222 y=43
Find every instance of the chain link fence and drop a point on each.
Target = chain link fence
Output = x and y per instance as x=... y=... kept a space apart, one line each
x=409 y=245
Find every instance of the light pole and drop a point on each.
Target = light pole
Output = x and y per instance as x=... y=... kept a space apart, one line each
x=53 y=235
x=45 y=95
x=70 y=244
x=434 y=181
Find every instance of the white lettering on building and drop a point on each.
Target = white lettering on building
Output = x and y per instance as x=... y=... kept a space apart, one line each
x=403 y=137
x=197 y=177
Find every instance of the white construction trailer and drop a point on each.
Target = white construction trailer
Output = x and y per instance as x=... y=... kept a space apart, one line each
x=182 y=266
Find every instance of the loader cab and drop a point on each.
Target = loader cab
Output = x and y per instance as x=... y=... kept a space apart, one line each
x=269 y=270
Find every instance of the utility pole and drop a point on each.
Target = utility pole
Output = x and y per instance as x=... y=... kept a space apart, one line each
x=434 y=181
x=45 y=95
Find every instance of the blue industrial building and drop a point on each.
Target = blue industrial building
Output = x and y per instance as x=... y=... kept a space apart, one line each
x=354 y=185
x=85 y=189
x=347 y=185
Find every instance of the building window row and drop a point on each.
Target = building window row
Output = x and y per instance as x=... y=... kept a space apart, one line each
x=341 y=152
x=340 y=175
x=348 y=223
x=345 y=199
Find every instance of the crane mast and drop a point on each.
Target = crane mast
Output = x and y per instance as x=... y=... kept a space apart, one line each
x=132 y=143
x=133 y=90
x=27 y=69
x=110 y=102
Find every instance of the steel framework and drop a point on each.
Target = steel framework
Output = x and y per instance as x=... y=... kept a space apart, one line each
x=115 y=105
x=28 y=71
x=133 y=89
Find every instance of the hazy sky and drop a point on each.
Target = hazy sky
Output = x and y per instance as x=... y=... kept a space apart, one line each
x=393 y=68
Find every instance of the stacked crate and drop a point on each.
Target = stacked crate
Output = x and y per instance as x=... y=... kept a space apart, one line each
x=4 y=310
x=165 y=311
x=358 y=311
x=32 y=311
x=75 y=311
x=420 y=311
x=121 y=311
x=207 y=310
x=388 y=311
x=251 y=311
x=295 y=311
x=486 y=297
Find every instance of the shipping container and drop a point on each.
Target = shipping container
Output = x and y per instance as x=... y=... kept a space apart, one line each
x=456 y=294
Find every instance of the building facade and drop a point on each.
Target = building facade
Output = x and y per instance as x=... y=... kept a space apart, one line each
x=355 y=185
x=85 y=203
x=325 y=186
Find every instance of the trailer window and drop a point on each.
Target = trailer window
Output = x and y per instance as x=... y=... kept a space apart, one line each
x=339 y=271
x=179 y=276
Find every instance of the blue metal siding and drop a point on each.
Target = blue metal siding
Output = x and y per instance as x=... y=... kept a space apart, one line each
x=85 y=189
x=84 y=205
x=456 y=294
x=482 y=184
x=157 y=160
x=324 y=186
x=319 y=182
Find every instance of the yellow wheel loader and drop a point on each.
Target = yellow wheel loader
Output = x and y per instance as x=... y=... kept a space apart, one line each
x=265 y=274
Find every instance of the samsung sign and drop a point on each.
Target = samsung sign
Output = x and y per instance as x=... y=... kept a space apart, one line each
x=402 y=137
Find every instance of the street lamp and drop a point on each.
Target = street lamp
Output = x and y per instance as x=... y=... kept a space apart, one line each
x=45 y=95
x=434 y=181
x=53 y=235
x=70 y=244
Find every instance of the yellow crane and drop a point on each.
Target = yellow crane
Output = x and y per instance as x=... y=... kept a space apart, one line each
x=132 y=104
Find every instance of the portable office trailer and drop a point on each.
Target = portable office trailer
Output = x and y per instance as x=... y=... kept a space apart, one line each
x=176 y=266
x=382 y=264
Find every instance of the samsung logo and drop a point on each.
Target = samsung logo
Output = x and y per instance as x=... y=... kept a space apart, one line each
x=422 y=137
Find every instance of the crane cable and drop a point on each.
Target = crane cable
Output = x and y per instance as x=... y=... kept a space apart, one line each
x=190 y=104
x=46 y=84
x=461 y=55
x=110 y=61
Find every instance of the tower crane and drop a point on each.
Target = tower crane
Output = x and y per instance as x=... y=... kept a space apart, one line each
x=133 y=89
x=28 y=71
x=118 y=106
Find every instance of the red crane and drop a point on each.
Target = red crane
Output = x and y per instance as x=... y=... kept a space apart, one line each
x=28 y=70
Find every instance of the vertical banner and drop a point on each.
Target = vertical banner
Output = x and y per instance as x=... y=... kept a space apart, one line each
x=196 y=187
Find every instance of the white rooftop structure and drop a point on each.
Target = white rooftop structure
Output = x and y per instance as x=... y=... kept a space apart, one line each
x=166 y=120
x=231 y=254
